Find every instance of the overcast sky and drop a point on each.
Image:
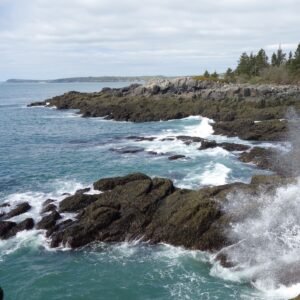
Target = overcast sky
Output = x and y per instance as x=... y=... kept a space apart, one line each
x=63 y=38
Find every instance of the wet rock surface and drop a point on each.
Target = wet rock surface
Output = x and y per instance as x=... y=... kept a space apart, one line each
x=138 y=207
x=9 y=229
x=18 y=210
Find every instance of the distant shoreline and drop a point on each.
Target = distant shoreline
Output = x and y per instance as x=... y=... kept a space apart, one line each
x=86 y=79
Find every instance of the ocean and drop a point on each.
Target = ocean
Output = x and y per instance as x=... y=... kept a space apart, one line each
x=47 y=152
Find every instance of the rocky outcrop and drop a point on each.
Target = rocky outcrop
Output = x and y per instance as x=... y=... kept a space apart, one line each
x=18 y=210
x=138 y=207
x=236 y=108
x=9 y=229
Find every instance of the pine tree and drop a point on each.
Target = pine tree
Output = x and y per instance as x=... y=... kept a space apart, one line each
x=243 y=67
x=295 y=63
x=229 y=75
x=261 y=61
x=215 y=75
x=278 y=58
x=206 y=74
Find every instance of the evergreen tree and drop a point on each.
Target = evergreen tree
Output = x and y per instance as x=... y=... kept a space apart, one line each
x=289 y=61
x=215 y=75
x=295 y=63
x=261 y=61
x=206 y=74
x=278 y=58
x=243 y=67
x=229 y=75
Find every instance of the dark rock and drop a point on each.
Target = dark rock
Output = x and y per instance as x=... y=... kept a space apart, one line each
x=155 y=211
x=175 y=157
x=18 y=210
x=152 y=152
x=206 y=144
x=82 y=191
x=39 y=103
x=66 y=194
x=48 y=221
x=189 y=139
x=1 y=294
x=5 y=227
x=233 y=146
x=76 y=202
x=140 y=138
x=107 y=184
x=27 y=224
x=10 y=229
x=4 y=205
x=263 y=158
x=48 y=201
x=48 y=208
x=127 y=150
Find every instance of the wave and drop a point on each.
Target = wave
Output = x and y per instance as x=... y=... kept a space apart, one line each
x=268 y=251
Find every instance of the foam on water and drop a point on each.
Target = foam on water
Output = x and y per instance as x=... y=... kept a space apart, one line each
x=36 y=238
x=215 y=174
x=268 y=251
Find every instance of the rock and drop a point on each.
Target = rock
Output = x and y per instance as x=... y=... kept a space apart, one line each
x=82 y=191
x=252 y=112
x=127 y=150
x=48 y=221
x=18 y=210
x=140 y=138
x=107 y=184
x=48 y=208
x=263 y=158
x=27 y=224
x=297 y=298
x=206 y=144
x=233 y=146
x=5 y=227
x=48 y=201
x=76 y=202
x=1 y=294
x=175 y=157
x=4 y=205
x=9 y=229
x=189 y=139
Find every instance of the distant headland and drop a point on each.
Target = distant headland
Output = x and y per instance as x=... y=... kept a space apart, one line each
x=87 y=79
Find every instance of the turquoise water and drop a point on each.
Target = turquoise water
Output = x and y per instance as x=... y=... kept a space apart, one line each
x=45 y=152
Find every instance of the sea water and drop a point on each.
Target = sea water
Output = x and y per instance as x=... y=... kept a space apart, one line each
x=47 y=152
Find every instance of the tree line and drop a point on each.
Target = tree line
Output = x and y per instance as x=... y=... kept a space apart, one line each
x=258 y=68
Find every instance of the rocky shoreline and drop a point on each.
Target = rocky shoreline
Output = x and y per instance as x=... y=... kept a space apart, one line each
x=251 y=112
x=137 y=207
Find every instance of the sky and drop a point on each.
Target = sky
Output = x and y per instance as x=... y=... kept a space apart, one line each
x=47 y=39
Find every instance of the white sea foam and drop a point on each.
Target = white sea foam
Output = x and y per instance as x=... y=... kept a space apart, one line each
x=36 y=238
x=215 y=174
x=268 y=251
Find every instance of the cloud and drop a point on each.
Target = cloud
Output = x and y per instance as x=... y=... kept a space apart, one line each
x=41 y=38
